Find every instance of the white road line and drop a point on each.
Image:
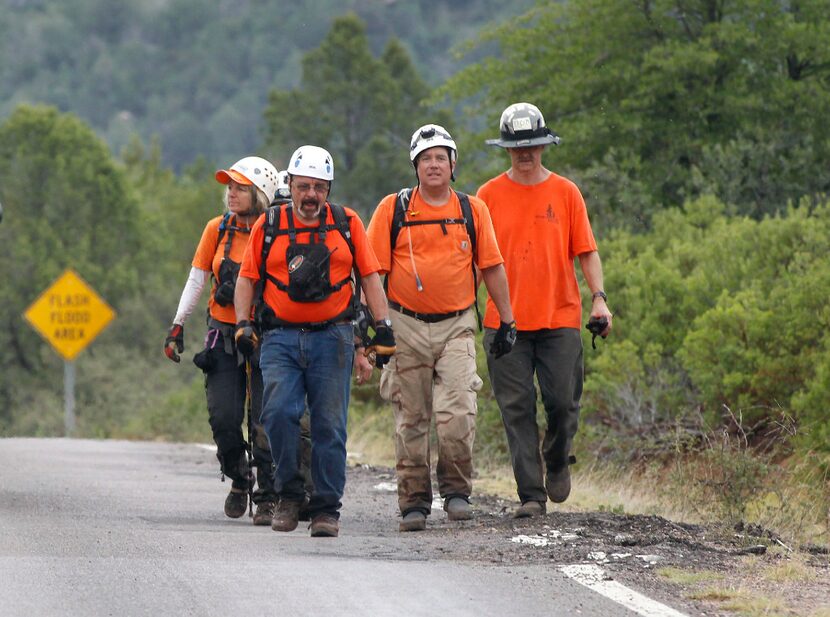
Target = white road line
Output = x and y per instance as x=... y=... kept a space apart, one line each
x=594 y=578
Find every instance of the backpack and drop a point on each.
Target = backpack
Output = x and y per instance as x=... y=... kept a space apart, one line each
x=399 y=221
x=271 y=229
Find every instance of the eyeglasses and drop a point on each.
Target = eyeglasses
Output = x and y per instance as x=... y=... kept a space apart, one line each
x=318 y=187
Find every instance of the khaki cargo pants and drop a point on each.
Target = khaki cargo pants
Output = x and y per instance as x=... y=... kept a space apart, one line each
x=433 y=373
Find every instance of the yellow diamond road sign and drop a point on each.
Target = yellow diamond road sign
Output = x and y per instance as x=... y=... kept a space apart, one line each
x=69 y=314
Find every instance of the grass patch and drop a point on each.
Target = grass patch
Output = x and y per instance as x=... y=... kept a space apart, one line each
x=753 y=605
x=792 y=570
x=688 y=577
x=715 y=594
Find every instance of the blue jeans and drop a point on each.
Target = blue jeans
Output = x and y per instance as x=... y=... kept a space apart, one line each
x=312 y=367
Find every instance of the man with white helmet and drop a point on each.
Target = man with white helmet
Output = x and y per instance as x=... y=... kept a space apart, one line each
x=429 y=240
x=309 y=256
x=542 y=225
x=251 y=184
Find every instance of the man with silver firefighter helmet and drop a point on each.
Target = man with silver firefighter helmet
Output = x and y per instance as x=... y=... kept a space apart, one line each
x=542 y=225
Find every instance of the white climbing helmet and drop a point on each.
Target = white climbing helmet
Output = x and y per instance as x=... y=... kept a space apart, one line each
x=252 y=170
x=311 y=161
x=430 y=136
x=283 y=190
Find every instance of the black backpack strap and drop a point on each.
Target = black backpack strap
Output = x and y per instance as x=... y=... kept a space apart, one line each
x=399 y=216
x=342 y=224
x=223 y=227
x=269 y=229
x=467 y=214
x=231 y=229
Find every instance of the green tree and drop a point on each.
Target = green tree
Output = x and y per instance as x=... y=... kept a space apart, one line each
x=361 y=108
x=670 y=99
x=67 y=205
x=714 y=310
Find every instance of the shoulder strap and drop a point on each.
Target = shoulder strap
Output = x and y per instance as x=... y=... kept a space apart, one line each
x=399 y=216
x=223 y=227
x=269 y=229
x=342 y=223
x=467 y=213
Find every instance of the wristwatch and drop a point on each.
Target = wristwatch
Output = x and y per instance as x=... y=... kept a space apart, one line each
x=600 y=294
x=387 y=323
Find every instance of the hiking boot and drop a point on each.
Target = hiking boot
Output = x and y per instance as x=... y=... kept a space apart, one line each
x=558 y=484
x=324 y=526
x=264 y=512
x=529 y=509
x=414 y=521
x=236 y=503
x=287 y=516
x=458 y=509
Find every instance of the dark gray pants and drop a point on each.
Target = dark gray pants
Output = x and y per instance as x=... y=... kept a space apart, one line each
x=225 y=386
x=555 y=356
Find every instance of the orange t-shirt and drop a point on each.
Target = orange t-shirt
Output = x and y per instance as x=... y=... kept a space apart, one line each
x=340 y=264
x=209 y=256
x=540 y=228
x=442 y=254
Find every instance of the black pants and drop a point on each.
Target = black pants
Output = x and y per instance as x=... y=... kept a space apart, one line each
x=225 y=385
x=555 y=356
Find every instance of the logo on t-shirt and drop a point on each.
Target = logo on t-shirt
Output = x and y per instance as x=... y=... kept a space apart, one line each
x=549 y=215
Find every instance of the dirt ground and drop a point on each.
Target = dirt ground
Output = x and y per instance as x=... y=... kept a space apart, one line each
x=696 y=569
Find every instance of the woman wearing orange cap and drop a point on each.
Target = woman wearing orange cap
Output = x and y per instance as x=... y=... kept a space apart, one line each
x=251 y=185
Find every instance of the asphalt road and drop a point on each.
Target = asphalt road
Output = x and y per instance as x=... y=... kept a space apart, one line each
x=121 y=528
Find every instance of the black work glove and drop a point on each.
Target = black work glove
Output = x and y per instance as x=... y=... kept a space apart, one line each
x=504 y=340
x=246 y=338
x=596 y=326
x=383 y=344
x=174 y=335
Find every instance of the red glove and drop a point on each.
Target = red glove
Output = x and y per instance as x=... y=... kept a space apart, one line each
x=175 y=335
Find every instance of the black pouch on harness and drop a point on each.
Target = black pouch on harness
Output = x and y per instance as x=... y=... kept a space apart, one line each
x=204 y=360
x=308 y=272
x=226 y=285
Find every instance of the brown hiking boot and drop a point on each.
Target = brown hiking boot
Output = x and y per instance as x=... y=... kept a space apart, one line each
x=558 y=484
x=324 y=526
x=529 y=509
x=458 y=509
x=413 y=521
x=236 y=503
x=264 y=512
x=287 y=516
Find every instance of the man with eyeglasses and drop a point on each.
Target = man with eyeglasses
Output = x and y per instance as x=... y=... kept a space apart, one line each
x=308 y=256
x=542 y=225
x=429 y=241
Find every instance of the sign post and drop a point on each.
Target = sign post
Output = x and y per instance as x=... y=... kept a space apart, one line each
x=69 y=315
